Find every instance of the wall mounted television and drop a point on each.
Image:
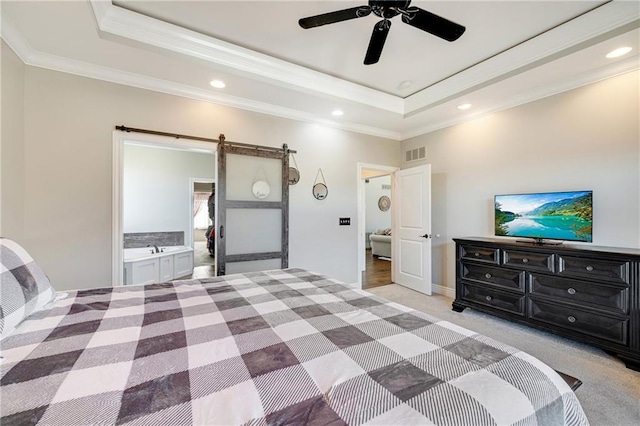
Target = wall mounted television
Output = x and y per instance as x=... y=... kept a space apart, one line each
x=566 y=216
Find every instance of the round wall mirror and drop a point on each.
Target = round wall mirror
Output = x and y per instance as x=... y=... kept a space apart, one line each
x=320 y=191
x=261 y=189
x=294 y=176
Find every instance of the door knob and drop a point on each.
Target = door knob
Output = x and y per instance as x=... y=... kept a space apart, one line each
x=425 y=236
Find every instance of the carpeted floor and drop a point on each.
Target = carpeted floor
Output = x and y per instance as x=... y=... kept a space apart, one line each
x=610 y=393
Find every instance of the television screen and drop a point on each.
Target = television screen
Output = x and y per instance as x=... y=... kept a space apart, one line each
x=546 y=215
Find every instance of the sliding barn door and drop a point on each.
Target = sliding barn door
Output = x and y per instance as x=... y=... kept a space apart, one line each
x=252 y=208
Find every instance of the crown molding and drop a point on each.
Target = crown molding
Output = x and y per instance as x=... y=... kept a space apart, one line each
x=578 y=80
x=122 y=23
x=620 y=16
x=586 y=28
x=31 y=57
x=14 y=38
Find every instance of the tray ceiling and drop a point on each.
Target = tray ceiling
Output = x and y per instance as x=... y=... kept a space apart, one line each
x=511 y=53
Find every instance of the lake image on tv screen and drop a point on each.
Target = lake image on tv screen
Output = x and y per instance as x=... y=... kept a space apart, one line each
x=556 y=215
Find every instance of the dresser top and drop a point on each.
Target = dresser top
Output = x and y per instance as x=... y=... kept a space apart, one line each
x=564 y=246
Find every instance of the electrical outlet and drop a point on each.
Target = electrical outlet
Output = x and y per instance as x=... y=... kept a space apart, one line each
x=345 y=221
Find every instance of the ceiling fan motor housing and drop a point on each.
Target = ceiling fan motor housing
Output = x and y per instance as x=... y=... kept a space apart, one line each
x=387 y=9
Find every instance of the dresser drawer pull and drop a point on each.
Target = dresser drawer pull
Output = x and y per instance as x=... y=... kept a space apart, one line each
x=489 y=298
x=477 y=254
x=525 y=260
x=487 y=275
x=571 y=290
x=589 y=268
x=571 y=318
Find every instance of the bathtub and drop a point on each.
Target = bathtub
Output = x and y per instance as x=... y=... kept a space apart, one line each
x=149 y=252
x=144 y=266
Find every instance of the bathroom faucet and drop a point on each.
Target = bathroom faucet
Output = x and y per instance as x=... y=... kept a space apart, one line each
x=155 y=248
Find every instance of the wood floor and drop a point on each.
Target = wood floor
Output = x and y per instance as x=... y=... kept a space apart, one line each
x=378 y=272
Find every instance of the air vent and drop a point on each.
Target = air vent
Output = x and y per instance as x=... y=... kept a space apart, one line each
x=415 y=154
x=386 y=186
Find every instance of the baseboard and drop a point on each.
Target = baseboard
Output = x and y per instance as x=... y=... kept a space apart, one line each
x=445 y=291
x=435 y=288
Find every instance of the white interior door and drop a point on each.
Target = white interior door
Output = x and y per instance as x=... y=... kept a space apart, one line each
x=412 y=229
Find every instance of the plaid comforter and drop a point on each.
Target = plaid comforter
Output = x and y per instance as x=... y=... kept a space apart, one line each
x=276 y=347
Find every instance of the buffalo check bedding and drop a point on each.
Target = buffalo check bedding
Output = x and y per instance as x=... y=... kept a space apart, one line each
x=275 y=347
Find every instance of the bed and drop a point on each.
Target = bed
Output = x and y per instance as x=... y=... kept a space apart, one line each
x=274 y=347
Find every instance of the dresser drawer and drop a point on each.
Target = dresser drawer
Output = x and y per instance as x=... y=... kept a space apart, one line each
x=530 y=261
x=581 y=292
x=609 y=297
x=615 y=271
x=484 y=254
x=509 y=278
x=494 y=298
x=579 y=321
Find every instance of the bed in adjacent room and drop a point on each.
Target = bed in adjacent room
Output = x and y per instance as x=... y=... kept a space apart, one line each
x=274 y=347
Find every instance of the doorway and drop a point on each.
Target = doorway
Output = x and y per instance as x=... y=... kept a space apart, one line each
x=375 y=223
x=377 y=220
x=154 y=196
x=203 y=234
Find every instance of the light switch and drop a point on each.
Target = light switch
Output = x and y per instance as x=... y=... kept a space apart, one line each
x=345 y=221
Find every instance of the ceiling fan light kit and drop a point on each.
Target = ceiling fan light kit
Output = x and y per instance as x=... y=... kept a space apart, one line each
x=414 y=16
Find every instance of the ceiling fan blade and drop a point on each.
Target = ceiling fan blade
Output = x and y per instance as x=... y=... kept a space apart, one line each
x=333 y=17
x=378 y=37
x=434 y=24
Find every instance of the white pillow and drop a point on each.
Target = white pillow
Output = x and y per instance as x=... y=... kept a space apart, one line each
x=24 y=288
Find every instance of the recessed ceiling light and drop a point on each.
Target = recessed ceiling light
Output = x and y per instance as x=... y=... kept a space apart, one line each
x=618 y=52
x=464 y=106
x=218 y=84
x=337 y=113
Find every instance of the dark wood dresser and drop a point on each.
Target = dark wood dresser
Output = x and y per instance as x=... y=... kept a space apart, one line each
x=590 y=294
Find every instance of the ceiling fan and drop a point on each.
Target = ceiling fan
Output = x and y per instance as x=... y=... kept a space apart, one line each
x=414 y=16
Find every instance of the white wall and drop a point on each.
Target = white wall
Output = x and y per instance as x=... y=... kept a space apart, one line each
x=156 y=188
x=317 y=241
x=374 y=217
x=587 y=138
x=12 y=170
x=584 y=139
x=68 y=127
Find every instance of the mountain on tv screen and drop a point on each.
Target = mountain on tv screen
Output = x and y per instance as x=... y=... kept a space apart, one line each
x=546 y=215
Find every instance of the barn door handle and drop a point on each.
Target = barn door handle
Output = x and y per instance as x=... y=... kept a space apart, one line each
x=221 y=231
x=425 y=236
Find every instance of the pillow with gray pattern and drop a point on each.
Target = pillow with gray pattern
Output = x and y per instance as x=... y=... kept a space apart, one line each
x=24 y=288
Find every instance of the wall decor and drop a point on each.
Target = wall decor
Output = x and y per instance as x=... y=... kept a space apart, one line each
x=320 y=190
x=384 y=203
x=294 y=172
x=261 y=188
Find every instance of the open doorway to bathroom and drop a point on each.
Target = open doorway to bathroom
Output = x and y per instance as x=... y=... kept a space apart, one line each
x=203 y=198
x=155 y=218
